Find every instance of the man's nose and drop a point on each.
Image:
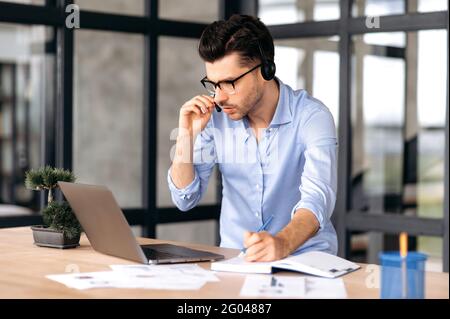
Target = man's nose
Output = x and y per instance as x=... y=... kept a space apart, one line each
x=220 y=97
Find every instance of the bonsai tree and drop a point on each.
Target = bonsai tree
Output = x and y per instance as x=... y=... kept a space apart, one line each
x=57 y=215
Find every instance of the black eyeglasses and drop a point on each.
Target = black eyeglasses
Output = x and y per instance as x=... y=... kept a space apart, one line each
x=226 y=86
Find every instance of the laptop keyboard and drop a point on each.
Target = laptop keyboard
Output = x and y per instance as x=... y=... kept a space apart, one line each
x=153 y=254
x=163 y=252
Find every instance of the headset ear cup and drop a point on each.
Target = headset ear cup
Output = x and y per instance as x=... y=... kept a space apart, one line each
x=268 y=70
x=268 y=67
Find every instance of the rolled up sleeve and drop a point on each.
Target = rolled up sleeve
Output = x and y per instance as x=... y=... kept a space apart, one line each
x=181 y=197
x=318 y=182
x=204 y=161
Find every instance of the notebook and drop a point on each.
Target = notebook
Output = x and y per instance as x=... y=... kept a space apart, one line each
x=315 y=263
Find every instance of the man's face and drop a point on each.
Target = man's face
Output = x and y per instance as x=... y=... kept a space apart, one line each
x=248 y=89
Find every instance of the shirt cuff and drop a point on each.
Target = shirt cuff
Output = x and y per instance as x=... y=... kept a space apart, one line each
x=314 y=208
x=186 y=192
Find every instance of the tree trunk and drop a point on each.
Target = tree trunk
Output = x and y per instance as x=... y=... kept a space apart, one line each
x=50 y=196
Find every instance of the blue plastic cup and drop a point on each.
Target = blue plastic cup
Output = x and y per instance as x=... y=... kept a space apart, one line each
x=395 y=271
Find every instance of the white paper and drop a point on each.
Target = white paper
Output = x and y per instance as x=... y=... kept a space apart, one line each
x=239 y=264
x=315 y=263
x=324 y=288
x=194 y=271
x=292 y=287
x=273 y=286
x=101 y=279
x=156 y=279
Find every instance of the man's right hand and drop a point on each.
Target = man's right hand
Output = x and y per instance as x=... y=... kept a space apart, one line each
x=195 y=114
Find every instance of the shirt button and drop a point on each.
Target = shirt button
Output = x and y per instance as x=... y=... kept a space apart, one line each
x=257 y=214
x=257 y=186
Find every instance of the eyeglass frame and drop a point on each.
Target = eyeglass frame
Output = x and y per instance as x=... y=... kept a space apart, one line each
x=205 y=80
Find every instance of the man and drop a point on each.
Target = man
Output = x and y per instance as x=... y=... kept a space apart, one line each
x=275 y=147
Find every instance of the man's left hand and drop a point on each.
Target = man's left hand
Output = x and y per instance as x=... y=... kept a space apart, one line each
x=263 y=246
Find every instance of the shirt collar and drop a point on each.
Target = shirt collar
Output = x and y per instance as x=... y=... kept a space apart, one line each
x=283 y=113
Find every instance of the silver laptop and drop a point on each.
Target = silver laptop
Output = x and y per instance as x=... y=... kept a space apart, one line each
x=109 y=233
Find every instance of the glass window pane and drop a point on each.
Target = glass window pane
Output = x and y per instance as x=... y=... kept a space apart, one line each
x=293 y=11
x=179 y=81
x=431 y=113
x=398 y=112
x=196 y=11
x=378 y=110
x=389 y=7
x=432 y=246
x=130 y=7
x=432 y=5
x=394 y=39
x=26 y=88
x=311 y=64
x=376 y=8
x=108 y=109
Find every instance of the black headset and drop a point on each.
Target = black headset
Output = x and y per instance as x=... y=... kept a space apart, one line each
x=268 y=67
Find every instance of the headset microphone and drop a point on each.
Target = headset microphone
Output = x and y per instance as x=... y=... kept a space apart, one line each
x=218 y=109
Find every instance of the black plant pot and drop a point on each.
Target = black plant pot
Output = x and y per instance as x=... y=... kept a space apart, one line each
x=46 y=237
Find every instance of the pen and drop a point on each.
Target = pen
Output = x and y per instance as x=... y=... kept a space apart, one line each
x=263 y=227
x=403 y=255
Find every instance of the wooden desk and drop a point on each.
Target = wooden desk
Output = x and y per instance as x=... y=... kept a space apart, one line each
x=23 y=267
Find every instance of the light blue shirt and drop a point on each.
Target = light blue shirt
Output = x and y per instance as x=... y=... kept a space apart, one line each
x=293 y=166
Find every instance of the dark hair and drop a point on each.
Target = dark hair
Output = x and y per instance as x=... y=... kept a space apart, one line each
x=240 y=33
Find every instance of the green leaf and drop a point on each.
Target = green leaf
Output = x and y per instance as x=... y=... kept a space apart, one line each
x=50 y=178
x=47 y=177
x=34 y=179
x=59 y=216
x=62 y=175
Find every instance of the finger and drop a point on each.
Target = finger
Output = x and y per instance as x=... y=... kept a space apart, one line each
x=254 y=249
x=260 y=255
x=206 y=99
x=253 y=239
x=202 y=104
x=187 y=107
x=264 y=257
x=194 y=102
x=195 y=109
x=209 y=98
